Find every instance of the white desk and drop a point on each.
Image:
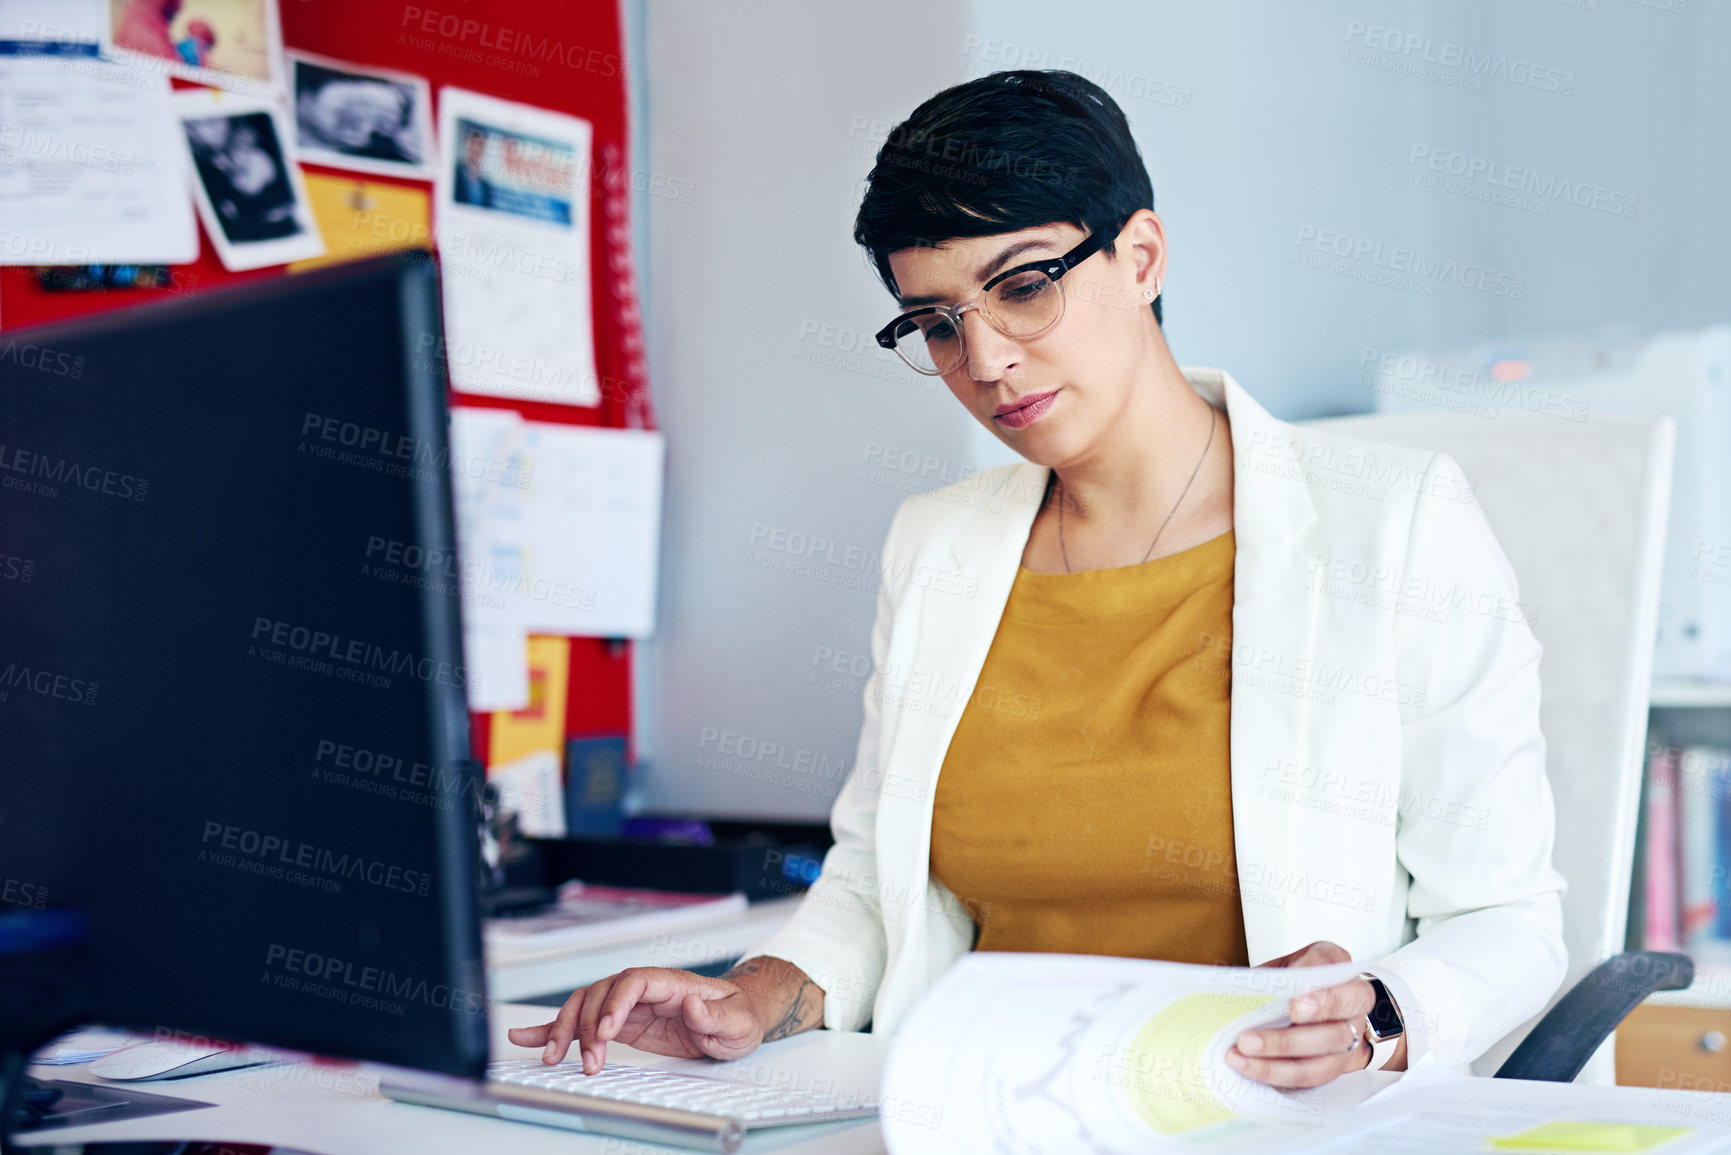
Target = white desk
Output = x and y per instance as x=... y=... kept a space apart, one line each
x=682 y=950
x=338 y=1110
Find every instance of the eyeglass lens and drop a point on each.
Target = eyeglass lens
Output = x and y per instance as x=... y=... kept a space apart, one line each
x=1024 y=305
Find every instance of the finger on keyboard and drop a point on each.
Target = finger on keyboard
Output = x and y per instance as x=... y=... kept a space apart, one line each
x=594 y=1052
x=564 y=1029
x=535 y=1036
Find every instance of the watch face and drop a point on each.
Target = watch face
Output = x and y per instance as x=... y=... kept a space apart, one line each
x=1384 y=1019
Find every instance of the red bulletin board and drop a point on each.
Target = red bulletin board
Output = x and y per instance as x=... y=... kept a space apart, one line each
x=564 y=55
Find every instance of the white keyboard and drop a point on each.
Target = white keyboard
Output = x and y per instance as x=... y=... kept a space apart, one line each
x=753 y=1106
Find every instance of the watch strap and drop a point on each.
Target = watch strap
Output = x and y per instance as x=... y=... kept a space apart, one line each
x=1381 y=1051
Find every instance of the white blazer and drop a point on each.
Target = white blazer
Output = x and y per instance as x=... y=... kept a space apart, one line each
x=1388 y=774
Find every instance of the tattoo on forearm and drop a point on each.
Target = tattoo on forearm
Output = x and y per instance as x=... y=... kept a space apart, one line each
x=803 y=1012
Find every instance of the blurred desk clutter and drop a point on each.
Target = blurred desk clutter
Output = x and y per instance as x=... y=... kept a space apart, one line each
x=667 y=892
x=588 y=916
x=712 y=942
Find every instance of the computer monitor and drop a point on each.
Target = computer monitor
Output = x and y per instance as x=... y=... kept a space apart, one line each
x=233 y=736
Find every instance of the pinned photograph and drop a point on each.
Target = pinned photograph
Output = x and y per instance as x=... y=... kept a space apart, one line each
x=233 y=44
x=364 y=119
x=511 y=172
x=250 y=193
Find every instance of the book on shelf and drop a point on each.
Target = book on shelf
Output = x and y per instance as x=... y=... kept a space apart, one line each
x=1700 y=785
x=1685 y=851
x=1663 y=901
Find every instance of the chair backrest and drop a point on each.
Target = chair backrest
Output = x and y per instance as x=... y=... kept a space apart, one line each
x=1579 y=507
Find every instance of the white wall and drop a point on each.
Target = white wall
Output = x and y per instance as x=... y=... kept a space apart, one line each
x=751 y=285
x=1265 y=127
x=1648 y=119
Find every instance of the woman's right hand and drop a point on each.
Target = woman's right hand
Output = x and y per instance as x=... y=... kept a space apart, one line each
x=666 y=1012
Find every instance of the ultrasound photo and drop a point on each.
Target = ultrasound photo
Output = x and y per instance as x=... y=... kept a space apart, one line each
x=348 y=117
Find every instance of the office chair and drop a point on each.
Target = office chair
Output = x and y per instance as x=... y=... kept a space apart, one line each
x=1579 y=508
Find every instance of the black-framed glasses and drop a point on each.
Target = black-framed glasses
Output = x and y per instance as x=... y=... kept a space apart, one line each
x=1020 y=302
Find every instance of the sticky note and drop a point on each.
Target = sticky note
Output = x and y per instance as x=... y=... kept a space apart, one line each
x=1588 y=1136
x=362 y=218
x=539 y=728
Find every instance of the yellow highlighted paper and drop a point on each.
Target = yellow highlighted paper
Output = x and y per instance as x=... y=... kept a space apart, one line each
x=1167 y=1083
x=1601 y=1137
x=361 y=218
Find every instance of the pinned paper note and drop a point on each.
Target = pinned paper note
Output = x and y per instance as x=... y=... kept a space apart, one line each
x=539 y=728
x=489 y=479
x=359 y=218
x=513 y=224
x=91 y=165
x=529 y=788
x=592 y=520
x=526 y=748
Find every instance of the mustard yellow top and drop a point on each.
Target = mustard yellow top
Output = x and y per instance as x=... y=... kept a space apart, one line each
x=1084 y=804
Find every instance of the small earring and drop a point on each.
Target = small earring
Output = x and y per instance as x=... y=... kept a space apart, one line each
x=1150 y=294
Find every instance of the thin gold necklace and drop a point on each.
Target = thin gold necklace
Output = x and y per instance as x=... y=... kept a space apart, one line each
x=1212 y=414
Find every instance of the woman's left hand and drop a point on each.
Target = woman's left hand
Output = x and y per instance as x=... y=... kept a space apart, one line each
x=1326 y=1039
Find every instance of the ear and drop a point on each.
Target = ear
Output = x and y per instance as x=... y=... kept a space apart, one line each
x=1143 y=241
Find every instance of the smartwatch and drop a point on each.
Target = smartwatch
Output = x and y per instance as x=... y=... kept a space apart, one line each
x=1383 y=1027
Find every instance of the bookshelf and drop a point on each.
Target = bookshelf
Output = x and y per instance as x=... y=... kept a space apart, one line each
x=1687 y=711
x=1683 y=1038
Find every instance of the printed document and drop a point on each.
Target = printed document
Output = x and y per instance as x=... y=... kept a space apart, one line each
x=1044 y=1054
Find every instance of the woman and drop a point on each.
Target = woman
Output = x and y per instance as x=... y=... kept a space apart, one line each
x=1191 y=732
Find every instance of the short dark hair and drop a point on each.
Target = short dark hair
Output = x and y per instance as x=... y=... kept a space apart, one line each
x=1007 y=151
